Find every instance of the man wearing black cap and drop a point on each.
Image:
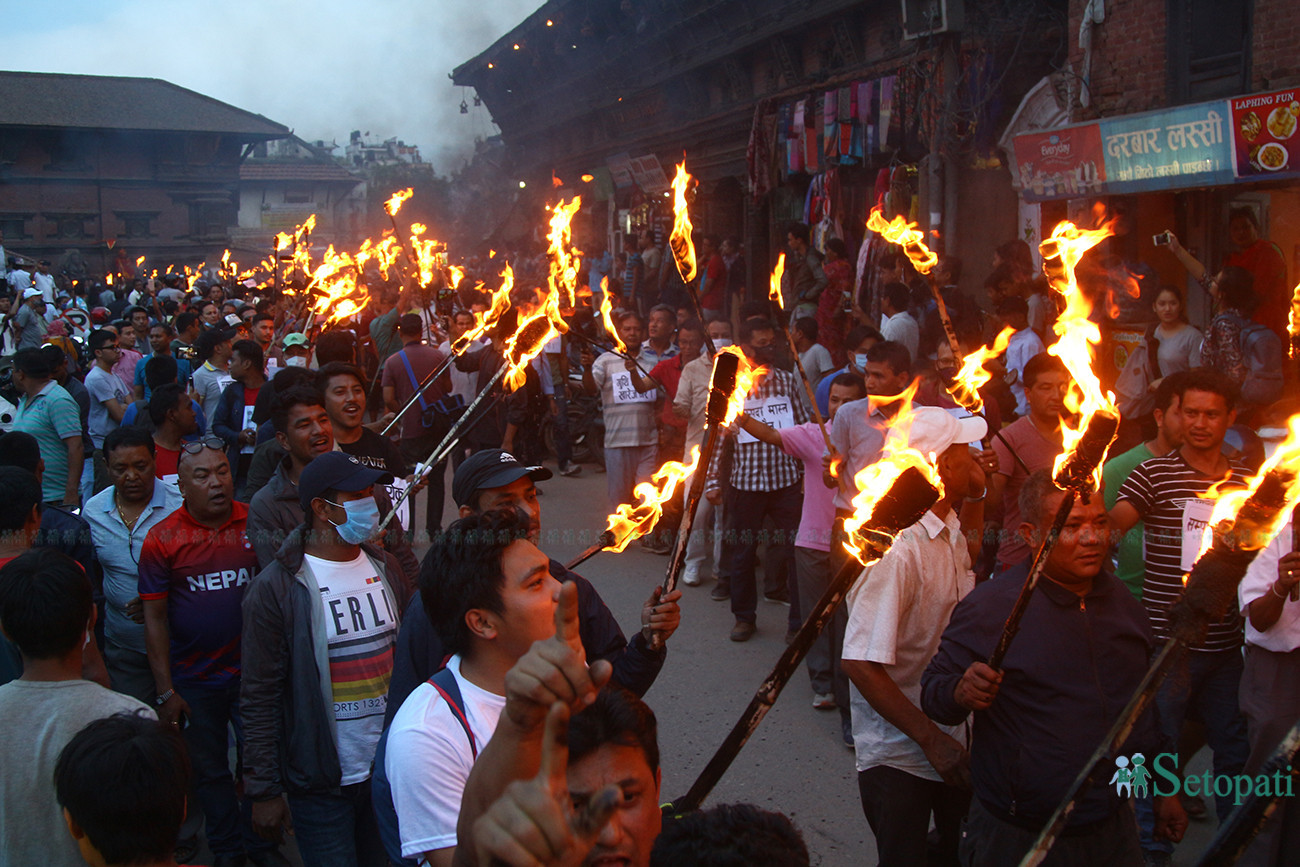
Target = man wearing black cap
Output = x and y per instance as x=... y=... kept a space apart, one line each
x=424 y=425
x=493 y=479
x=319 y=627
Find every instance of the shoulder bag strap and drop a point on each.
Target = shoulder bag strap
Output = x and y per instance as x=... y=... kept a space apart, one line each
x=445 y=682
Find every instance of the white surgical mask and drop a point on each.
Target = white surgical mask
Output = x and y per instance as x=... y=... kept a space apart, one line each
x=721 y=342
x=860 y=360
x=296 y=361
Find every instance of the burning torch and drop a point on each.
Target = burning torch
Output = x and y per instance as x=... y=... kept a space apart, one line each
x=1078 y=468
x=910 y=486
x=774 y=292
x=628 y=522
x=683 y=246
x=522 y=347
x=482 y=322
x=1243 y=522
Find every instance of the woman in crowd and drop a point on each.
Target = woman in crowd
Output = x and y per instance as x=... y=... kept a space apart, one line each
x=831 y=320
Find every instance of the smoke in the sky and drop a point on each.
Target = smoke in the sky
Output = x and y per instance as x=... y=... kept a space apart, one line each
x=320 y=67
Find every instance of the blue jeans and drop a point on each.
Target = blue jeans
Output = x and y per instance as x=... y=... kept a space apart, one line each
x=624 y=468
x=214 y=711
x=337 y=830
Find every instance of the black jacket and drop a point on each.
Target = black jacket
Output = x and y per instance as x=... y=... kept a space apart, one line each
x=419 y=654
x=285 y=697
x=1071 y=670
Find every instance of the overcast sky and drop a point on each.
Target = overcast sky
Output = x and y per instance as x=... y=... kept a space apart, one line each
x=320 y=67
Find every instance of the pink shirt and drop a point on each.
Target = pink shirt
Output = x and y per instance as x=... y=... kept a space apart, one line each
x=805 y=443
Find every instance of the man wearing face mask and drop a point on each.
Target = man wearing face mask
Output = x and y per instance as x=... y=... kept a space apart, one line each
x=857 y=343
x=320 y=623
x=303 y=429
x=762 y=482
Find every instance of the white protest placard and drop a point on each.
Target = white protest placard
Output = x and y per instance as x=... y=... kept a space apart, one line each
x=775 y=411
x=248 y=425
x=625 y=391
x=1196 y=527
x=403 y=511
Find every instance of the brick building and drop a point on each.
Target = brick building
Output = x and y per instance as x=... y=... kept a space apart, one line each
x=284 y=182
x=784 y=110
x=93 y=165
x=1169 y=114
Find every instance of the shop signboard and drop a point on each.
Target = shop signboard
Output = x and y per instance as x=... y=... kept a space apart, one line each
x=1179 y=147
x=1061 y=163
x=1264 y=138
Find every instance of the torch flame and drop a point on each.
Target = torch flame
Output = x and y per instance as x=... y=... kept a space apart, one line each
x=633 y=521
x=1228 y=503
x=607 y=315
x=774 y=285
x=680 y=241
x=563 y=258
x=874 y=480
x=972 y=376
x=500 y=303
x=140 y=261
x=1076 y=335
x=395 y=202
x=906 y=234
x=1293 y=323
x=747 y=376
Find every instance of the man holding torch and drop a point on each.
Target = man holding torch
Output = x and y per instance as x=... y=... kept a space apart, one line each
x=1085 y=643
x=908 y=767
x=763 y=481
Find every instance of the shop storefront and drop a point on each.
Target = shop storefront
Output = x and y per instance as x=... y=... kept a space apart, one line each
x=1182 y=170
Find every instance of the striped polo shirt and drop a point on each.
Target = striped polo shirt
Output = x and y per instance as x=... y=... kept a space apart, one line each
x=1166 y=493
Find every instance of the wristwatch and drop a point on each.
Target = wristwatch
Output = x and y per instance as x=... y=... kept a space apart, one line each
x=164 y=698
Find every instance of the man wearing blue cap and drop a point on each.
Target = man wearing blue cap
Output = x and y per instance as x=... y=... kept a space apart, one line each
x=320 y=623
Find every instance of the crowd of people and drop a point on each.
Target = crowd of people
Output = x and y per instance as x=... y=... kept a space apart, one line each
x=196 y=478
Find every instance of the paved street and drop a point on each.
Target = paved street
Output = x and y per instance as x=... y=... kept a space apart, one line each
x=795 y=762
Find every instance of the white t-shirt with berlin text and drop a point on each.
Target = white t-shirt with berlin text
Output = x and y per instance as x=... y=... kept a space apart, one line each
x=360 y=629
x=429 y=760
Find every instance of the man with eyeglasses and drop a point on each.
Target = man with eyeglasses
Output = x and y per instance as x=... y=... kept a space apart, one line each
x=194 y=565
x=120 y=517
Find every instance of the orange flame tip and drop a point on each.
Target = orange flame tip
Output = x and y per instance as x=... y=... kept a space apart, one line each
x=1293 y=323
x=564 y=260
x=631 y=522
x=905 y=233
x=747 y=376
x=1228 y=503
x=396 y=200
x=607 y=315
x=873 y=481
x=1076 y=334
x=973 y=376
x=774 y=285
x=680 y=241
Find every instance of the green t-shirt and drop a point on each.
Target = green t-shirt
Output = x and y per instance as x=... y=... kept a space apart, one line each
x=1130 y=566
